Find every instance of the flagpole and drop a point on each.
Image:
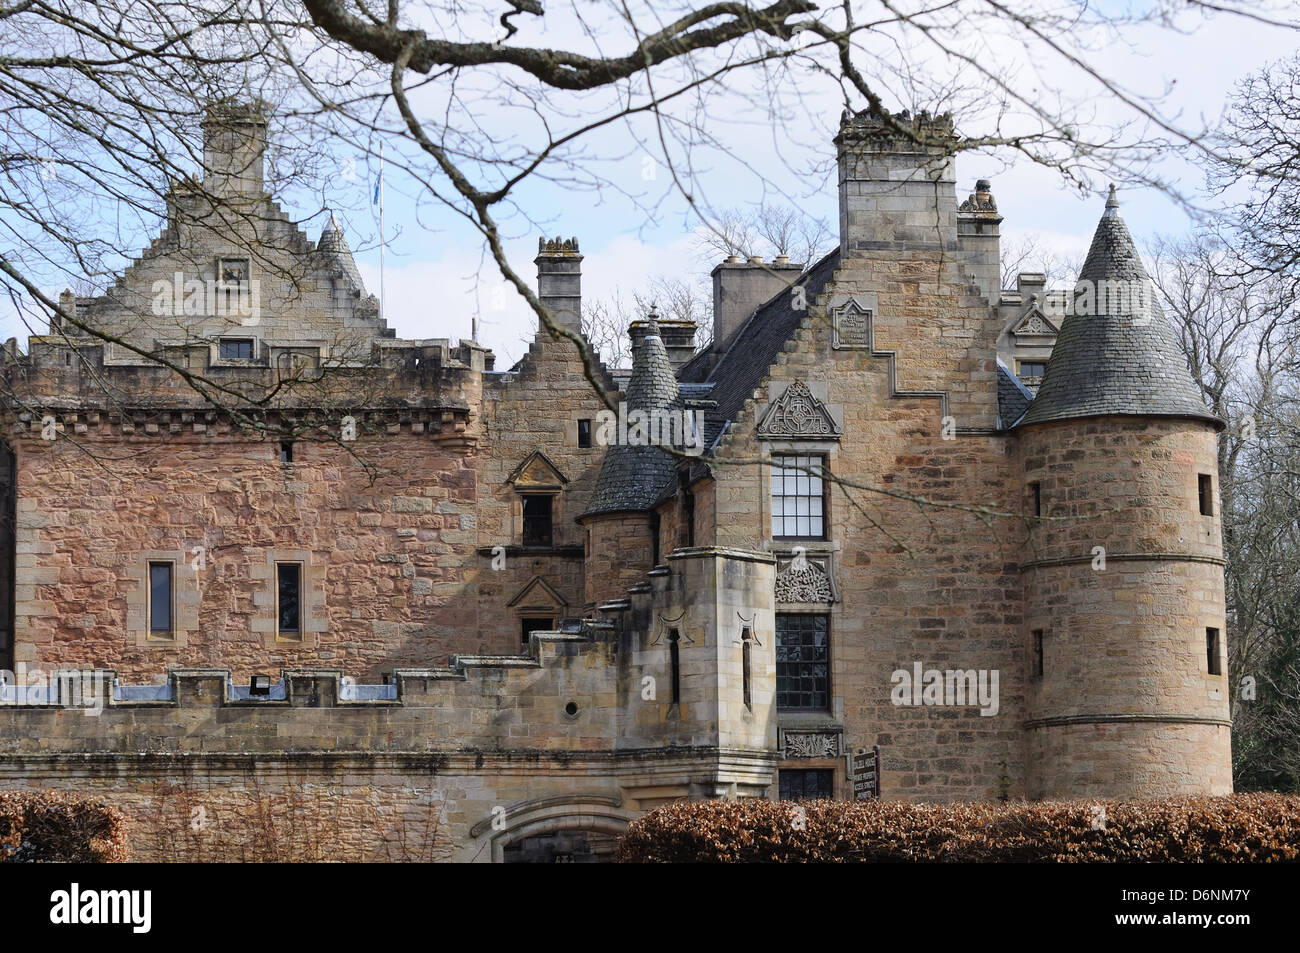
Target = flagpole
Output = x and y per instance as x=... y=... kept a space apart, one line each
x=383 y=311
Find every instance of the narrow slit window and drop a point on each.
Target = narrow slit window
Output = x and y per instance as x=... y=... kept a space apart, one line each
x=747 y=684
x=584 y=434
x=675 y=663
x=1036 y=498
x=286 y=451
x=1212 y=652
x=687 y=534
x=654 y=538
x=1038 y=653
x=160 y=599
x=289 y=598
x=1205 y=492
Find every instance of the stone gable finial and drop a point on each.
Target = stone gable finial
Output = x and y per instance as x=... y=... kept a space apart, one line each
x=981 y=200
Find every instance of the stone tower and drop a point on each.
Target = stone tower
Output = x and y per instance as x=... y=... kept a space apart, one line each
x=1123 y=580
x=635 y=474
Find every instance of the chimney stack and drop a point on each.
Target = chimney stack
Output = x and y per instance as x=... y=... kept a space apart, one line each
x=740 y=287
x=234 y=142
x=978 y=224
x=898 y=188
x=559 y=280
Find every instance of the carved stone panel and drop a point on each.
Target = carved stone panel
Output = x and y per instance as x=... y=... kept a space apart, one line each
x=811 y=744
x=851 y=327
x=796 y=415
x=804 y=581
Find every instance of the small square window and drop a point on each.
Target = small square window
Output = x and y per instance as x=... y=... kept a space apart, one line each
x=584 y=434
x=233 y=271
x=1205 y=493
x=160 y=600
x=529 y=626
x=236 y=349
x=804 y=784
x=288 y=578
x=1212 y=652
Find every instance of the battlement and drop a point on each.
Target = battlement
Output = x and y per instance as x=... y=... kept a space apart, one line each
x=60 y=373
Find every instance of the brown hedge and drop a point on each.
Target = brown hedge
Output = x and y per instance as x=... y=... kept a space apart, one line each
x=1240 y=827
x=53 y=827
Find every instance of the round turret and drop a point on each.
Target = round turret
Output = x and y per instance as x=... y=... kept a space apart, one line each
x=1124 y=589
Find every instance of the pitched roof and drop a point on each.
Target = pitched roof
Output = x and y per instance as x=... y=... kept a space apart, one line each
x=759 y=340
x=1116 y=354
x=633 y=478
x=1013 y=397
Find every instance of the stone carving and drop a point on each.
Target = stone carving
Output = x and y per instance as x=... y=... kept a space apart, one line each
x=852 y=328
x=798 y=414
x=1035 y=323
x=804 y=581
x=812 y=744
x=981 y=200
x=557 y=246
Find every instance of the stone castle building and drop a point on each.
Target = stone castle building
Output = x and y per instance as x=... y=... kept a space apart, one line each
x=900 y=523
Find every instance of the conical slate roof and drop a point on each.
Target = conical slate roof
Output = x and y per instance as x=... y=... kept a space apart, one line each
x=334 y=246
x=633 y=478
x=1116 y=354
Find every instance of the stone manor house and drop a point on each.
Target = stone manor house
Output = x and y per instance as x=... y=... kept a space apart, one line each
x=466 y=595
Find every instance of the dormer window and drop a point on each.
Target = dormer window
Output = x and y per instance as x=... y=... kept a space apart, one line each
x=1032 y=369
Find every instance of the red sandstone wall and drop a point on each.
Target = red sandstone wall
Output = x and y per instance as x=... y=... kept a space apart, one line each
x=385 y=558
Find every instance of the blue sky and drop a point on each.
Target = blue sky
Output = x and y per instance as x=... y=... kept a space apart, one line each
x=437 y=276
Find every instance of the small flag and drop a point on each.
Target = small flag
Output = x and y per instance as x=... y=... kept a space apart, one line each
x=379 y=181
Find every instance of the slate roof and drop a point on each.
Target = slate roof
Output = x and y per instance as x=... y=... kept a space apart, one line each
x=1123 y=360
x=333 y=245
x=1013 y=397
x=757 y=344
x=634 y=478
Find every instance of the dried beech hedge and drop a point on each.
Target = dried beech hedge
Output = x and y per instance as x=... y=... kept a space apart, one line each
x=1240 y=827
x=53 y=827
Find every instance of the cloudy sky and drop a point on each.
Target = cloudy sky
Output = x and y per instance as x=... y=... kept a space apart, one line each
x=1193 y=65
x=765 y=138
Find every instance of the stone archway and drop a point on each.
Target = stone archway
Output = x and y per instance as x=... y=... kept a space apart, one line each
x=561 y=833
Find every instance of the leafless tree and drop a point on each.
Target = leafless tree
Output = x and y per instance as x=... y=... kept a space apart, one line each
x=474 y=104
x=1028 y=253
x=605 y=320
x=1237 y=328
